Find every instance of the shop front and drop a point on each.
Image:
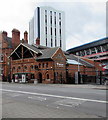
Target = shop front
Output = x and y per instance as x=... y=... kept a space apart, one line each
x=23 y=77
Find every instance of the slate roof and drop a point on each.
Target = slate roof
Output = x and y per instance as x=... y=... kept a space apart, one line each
x=40 y=46
x=9 y=41
x=32 y=47
x=47 y=53
x=83 y=62
x=43 y=52
x=73 y=62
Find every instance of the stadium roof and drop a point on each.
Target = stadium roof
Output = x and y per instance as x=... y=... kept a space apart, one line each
x=89 y=45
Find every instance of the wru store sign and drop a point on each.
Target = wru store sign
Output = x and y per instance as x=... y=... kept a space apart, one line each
x=60 y=65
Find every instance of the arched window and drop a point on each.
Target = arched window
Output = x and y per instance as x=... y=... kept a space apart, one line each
x=25 y=67
x=47 y=76
x=19 y=67
x=46 y=65
x=13 y=68
x=39 y=65
x=43 y=65
x=36 y=67
x=2 y=57
x=32 y=67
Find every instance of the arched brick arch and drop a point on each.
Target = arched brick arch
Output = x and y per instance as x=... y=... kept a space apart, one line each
x=40 y=77
x=46 y=75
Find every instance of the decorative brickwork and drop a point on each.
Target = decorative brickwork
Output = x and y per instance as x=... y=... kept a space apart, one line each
x=7 y=45
x=46 y=65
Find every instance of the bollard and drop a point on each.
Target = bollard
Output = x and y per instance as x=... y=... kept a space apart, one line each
x=12 y=81
x=35 y=81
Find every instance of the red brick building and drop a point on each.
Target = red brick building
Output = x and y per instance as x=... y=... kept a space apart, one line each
x=89 y=70
x=47 y=65
x=7 y=45
x=34 y=62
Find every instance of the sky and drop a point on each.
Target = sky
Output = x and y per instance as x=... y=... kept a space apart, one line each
x=85 y=21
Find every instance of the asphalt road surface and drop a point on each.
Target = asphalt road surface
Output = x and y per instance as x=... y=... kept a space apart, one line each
x=52 y=101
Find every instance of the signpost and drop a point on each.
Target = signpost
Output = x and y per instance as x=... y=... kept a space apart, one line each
x=76 y=77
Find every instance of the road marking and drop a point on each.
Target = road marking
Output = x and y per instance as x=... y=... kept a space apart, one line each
x=70 y=103
x=16 y=95
x=37 y=98
x=56 y=96
x=65 y=105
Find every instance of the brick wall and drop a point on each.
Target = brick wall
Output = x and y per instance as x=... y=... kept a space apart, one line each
x=48 y=69
x=30 y=66
x=51 y=71
x=5 y=52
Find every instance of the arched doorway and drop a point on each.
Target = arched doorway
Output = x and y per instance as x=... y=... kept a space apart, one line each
x=39 y=77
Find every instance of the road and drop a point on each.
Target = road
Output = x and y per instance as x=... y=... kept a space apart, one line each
x=52 y=101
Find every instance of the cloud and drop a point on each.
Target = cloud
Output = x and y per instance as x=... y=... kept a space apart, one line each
x=73 y=41
x=85 y=21
x=14 y=14
x=85 y=25
x=98 y=7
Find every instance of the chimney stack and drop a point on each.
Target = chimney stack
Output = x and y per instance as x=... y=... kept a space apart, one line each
x=37 y=41
x=4 y=33
x=15 y=38
x=26 y=36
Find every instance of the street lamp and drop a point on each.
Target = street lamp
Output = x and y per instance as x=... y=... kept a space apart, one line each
x=78 y=74
x=78 y=62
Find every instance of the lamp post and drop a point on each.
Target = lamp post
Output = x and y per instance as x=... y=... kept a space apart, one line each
x=78 y=74
x=78 y=62
x=8 y=69
x=78 y=65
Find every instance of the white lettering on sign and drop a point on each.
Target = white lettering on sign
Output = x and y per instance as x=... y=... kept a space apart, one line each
x=60 y=65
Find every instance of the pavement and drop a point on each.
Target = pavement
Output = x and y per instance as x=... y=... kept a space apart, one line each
x=93 y=86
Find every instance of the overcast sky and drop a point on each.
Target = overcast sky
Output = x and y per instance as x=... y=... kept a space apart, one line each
x=84 y=21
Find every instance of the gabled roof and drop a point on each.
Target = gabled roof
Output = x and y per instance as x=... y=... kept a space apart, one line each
x=30 y=47
x=47 y=53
